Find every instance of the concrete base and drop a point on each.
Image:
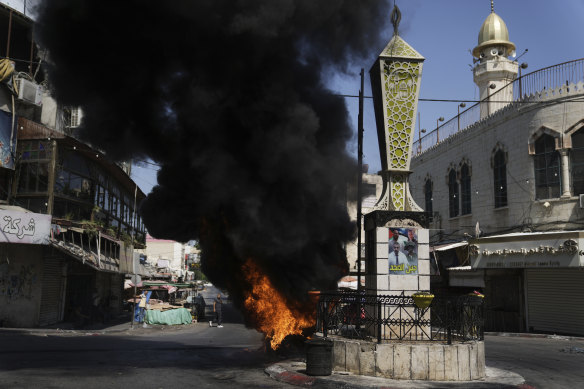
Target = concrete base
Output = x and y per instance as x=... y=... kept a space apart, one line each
x=411 y=360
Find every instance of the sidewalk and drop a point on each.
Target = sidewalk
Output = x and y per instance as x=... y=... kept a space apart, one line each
x=293 y=372
x=121 y=324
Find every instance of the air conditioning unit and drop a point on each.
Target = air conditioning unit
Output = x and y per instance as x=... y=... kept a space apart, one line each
x=581 y=197
x=29 y=91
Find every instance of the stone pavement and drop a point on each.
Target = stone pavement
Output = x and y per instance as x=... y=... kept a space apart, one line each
x=293 y=372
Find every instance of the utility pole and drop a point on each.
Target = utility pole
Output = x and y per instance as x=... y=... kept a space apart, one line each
x=359 y=178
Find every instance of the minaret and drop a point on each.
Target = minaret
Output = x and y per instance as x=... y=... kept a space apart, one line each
x=494 y=70
x=395 y=83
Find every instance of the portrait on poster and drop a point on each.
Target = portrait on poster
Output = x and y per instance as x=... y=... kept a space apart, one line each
x=403 y=251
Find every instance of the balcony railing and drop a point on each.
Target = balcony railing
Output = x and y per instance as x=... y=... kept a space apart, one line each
x=550 y=78
x=387 y=318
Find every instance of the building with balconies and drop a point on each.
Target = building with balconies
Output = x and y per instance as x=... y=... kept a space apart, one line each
x=68 y=214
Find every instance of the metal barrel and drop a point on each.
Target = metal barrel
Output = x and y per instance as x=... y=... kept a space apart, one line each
x=319 y=357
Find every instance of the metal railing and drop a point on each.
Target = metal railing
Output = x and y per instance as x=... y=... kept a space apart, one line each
x=396 y=317
x=524 y=86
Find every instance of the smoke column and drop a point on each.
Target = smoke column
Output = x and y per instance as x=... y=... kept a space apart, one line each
x=229 y=98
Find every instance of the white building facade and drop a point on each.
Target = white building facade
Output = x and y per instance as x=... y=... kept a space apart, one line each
x=507 y=175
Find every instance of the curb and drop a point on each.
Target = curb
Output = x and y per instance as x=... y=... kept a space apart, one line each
x=47 y=331
x=288 y=375
x=280 y=374
x=534 y=336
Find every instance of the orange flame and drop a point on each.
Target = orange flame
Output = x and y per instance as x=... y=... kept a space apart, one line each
x=273 y=315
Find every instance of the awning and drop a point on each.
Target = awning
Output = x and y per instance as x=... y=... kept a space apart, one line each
x=164 y=284
x=449 y=246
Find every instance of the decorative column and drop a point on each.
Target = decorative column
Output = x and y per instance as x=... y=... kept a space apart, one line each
x=565 y=163
x=397 y=251
x=395 y=82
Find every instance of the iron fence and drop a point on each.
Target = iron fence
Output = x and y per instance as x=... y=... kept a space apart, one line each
x=396 y=317
x=526 y=85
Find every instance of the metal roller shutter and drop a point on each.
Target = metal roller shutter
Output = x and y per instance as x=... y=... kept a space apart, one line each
x=554 y=302
x=52 y=290
x=116 y=288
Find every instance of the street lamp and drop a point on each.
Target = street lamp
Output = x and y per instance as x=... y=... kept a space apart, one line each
x=440 y=119
x=422 y=131
x=461 y=105
x=522 y=66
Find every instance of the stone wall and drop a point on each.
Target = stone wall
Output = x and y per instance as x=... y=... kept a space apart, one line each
x=510 y=129
x=411 y=361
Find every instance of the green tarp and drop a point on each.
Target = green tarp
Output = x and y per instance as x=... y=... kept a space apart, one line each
x=170 y=317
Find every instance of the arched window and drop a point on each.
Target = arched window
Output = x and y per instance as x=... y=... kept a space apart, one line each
x=452 y=193
x=577 y=162
x=500 y=179
x=547 y=168
x=428 y=195
x=465 y=196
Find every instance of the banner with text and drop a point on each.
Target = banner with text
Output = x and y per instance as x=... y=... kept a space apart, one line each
x=23 y=227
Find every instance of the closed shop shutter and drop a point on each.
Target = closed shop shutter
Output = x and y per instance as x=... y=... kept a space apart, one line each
x=52 y=290
x=117 y=285
x=554 y=302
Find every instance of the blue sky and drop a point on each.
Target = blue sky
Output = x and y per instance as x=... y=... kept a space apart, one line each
x=444 y=32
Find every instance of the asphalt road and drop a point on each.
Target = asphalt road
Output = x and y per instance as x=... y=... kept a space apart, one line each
x=544 y=363
x=231 y=357
x=157 y=357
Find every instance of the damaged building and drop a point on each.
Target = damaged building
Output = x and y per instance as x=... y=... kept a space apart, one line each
x=68 y=214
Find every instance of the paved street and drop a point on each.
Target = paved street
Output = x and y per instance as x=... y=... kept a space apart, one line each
x=181 y=356
x=199 y=356
x=544 y=363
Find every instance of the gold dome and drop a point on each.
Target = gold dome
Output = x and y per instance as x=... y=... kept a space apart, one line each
x=493 y=32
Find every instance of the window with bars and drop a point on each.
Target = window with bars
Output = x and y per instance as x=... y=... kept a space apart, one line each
x=547 y=168
x=33 y=174
x=500 y=179
x=452 y=194
x=577 y=162
x=428 y=195
x=465 y=190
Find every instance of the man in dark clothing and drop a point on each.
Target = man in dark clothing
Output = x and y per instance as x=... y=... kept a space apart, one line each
x=217 y=308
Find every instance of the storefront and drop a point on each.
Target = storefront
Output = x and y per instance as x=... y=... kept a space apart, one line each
x=533 y=280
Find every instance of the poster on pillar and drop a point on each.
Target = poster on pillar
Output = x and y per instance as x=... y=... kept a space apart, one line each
x=403 y=251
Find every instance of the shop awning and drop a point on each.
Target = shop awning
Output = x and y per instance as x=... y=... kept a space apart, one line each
x=449 y=246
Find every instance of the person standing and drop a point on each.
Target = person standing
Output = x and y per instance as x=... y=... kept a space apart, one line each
x=218 y=309
x=397 y=260
x=396 y=257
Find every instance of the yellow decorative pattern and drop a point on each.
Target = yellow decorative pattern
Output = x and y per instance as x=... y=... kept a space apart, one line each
x=397 y=47
x=400 y=83
x=398 y=189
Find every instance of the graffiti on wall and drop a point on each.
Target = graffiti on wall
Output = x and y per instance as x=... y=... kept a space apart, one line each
x=17 y=283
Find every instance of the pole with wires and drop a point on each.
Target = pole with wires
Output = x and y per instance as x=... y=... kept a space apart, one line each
x=359 y=177
x=133 y=260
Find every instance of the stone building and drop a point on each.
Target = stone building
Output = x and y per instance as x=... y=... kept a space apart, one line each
x=68 y=214
x=168 y=256
x=371 y=189
x=507 y=176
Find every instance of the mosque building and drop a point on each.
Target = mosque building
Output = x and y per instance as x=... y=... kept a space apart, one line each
x=504 y=184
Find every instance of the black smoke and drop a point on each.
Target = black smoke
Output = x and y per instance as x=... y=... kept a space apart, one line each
x=229 y=97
